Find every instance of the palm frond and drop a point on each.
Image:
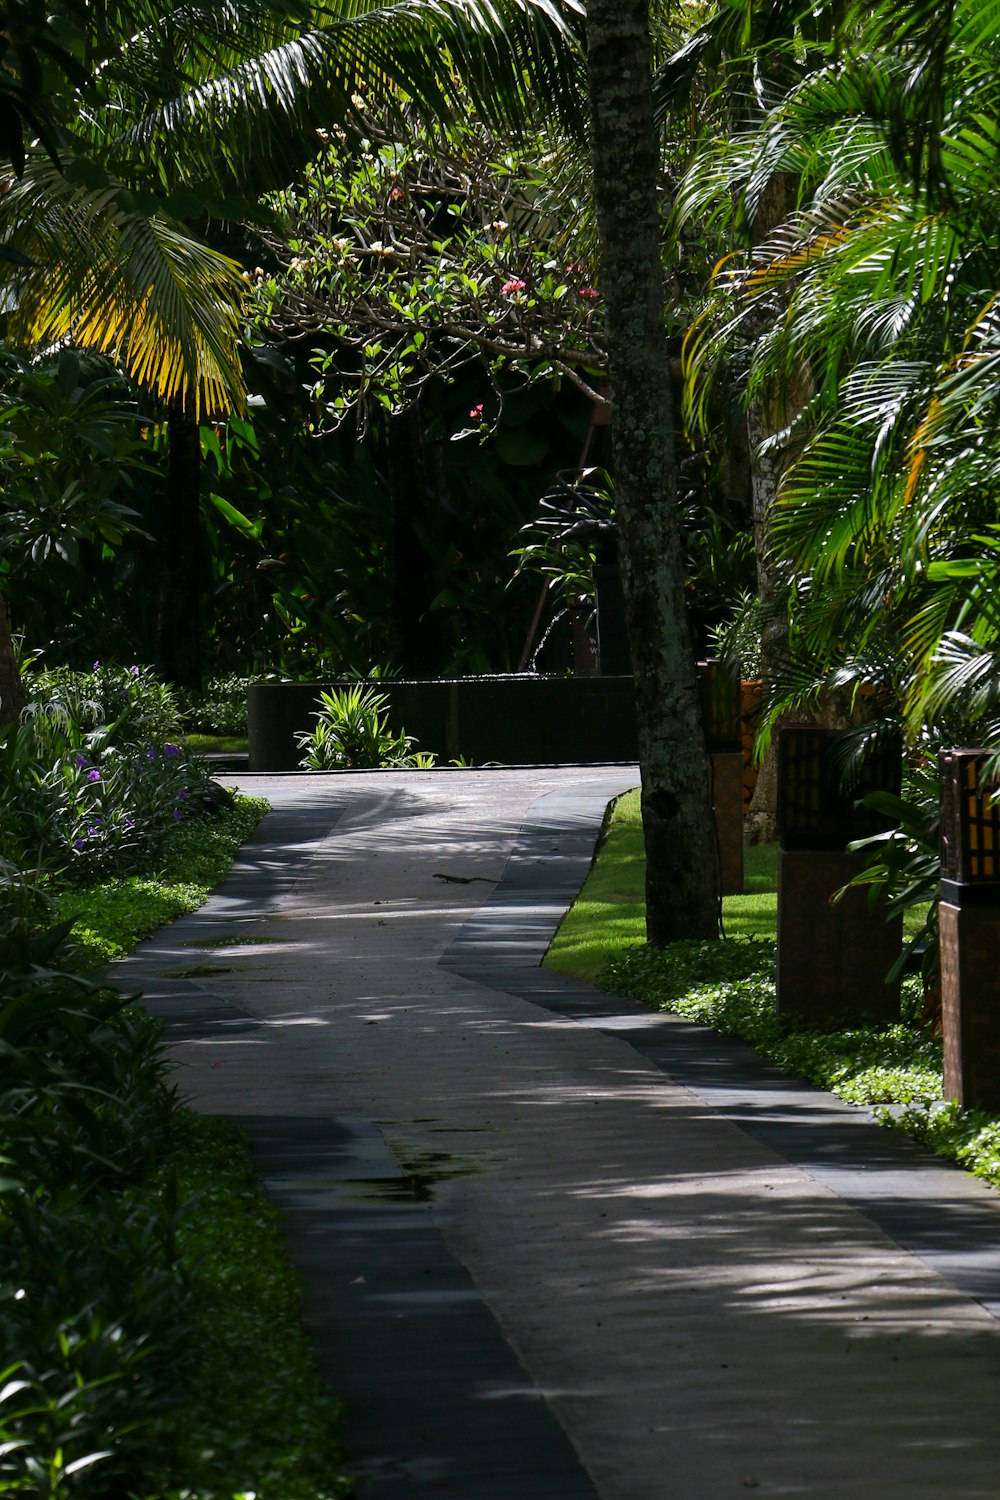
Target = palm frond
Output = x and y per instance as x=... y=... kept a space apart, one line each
x=163 y=306
x=279 y=73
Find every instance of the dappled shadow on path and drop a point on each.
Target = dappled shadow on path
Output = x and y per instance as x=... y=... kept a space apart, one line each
x=684 y=1285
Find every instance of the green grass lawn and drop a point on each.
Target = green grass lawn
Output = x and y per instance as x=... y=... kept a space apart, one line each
x=217 y=744
x=894 y=1070
x=609 y=915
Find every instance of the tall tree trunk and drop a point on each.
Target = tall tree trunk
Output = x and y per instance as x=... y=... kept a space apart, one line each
x=12 y=699
x=681 y=870
x=766 y=472
x=178 y=648
x=765 y=417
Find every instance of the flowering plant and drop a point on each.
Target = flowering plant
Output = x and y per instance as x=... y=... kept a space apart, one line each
x=412 y=259
x=83 y=795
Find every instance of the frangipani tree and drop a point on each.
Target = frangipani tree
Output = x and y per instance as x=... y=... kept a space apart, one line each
x=412 y=255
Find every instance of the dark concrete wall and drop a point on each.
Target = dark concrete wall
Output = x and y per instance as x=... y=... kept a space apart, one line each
x=516 y=720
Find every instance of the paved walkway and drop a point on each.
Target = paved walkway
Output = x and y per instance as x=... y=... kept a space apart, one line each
x=555 y=1247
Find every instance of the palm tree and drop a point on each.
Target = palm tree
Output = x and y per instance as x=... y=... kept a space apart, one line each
x=886 y=277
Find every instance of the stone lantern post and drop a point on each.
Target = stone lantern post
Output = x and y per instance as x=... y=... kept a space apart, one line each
x=833 y=954
x=969 y=922
x=720 y=712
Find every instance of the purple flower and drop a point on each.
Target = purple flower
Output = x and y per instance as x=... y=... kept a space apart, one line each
x=135 y=671
x=171 y=750
x=182 y=793
x=177 y=812
x=81 y=761
x=150 y=753
x=96 y=667
x=93 y=774
x=78 y=843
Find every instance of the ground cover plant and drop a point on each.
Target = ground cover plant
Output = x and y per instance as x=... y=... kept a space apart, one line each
x=110 y=917
x=146 y=1359
x=148 y=1315
x=729 y=985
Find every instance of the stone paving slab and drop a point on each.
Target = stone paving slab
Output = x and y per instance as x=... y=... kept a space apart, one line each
x=700 y=1304
x=438 y=1401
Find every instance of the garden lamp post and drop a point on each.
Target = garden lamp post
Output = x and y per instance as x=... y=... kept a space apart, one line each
x=834 y=952
x=721 y=714
x=969 y=924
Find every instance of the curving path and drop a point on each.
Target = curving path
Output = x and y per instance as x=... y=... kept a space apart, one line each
x=555 y=1247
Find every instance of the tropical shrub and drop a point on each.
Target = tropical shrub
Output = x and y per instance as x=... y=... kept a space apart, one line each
x=904 y=863
x=92 y=1304
x=220 y=708
x=141 y=709
x=352 y=734
x=96 y=775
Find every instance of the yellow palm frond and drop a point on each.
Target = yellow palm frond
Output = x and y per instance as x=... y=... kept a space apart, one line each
x=164 y=306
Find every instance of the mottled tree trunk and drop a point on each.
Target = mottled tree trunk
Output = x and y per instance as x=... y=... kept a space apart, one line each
x=766 y=471
x=12 y=699
x=767 y=416
x=681 y=868
x=178 y=648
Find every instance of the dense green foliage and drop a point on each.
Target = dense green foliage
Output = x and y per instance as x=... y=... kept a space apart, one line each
x=93 y=780
x=352 y=734
x=219 y=709
x=853 y=188
x=142 y=1358
x=140 y=1343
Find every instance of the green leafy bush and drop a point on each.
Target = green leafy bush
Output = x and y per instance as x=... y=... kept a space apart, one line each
x=352 y=734
x=142 y=709
x=220 y=708
x=91 y=1296
x=96 y=776
x=904 y=864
